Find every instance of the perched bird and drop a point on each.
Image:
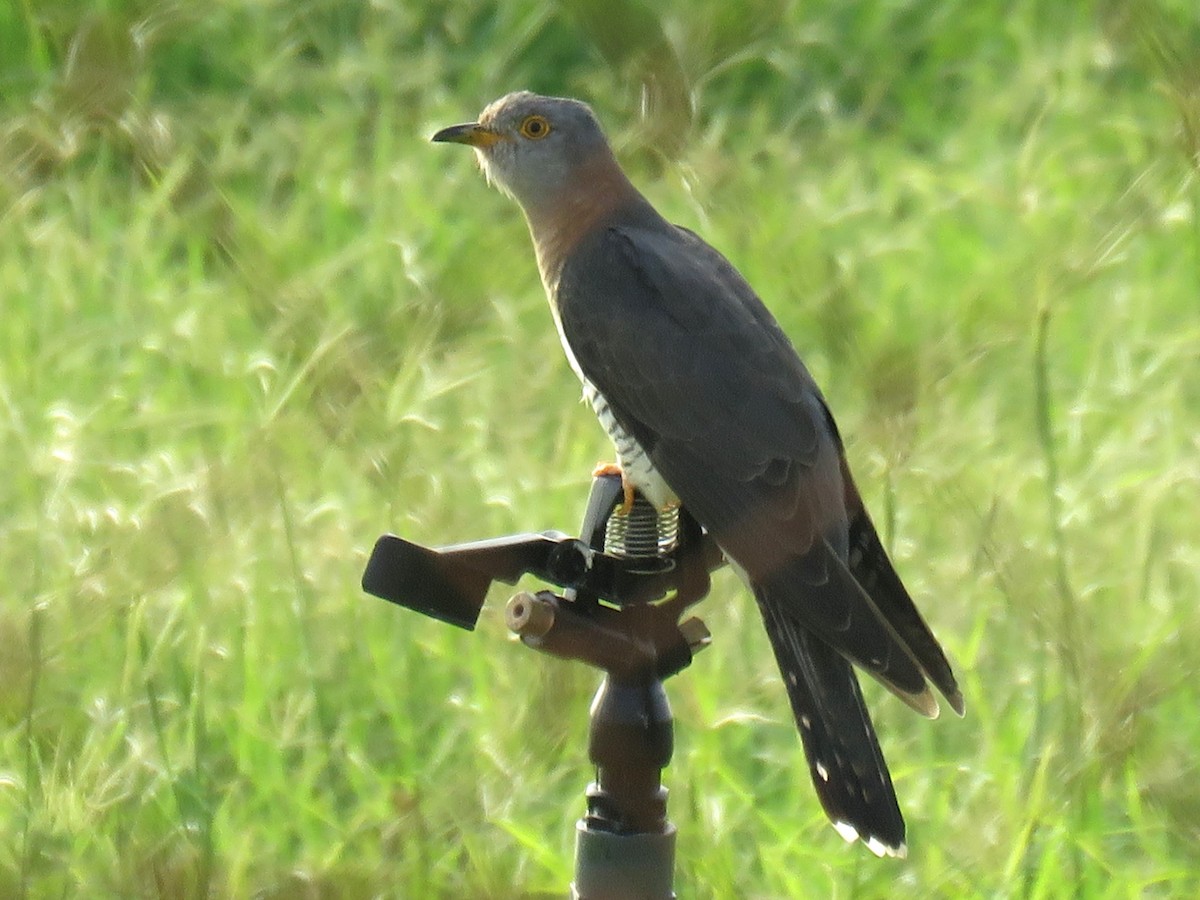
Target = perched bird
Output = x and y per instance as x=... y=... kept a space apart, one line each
x=709 y=405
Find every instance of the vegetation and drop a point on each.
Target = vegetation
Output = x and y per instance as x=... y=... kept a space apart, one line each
x=250 y=319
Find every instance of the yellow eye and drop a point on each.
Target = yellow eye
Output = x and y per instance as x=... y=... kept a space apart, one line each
x=535 y=127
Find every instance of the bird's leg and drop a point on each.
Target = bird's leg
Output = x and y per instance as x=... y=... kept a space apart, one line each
x=626 y=486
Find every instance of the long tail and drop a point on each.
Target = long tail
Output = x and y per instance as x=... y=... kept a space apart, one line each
x=847 y=766
x=871 y=568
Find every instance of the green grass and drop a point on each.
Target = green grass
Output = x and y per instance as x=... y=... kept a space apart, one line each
x=250 y=319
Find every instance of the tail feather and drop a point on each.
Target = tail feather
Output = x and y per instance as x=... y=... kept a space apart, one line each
x=835 y=608
x=844 y=759
x=870 y=566
x=872 y=569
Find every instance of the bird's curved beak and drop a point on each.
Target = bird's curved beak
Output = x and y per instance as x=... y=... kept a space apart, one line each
x=472 y=133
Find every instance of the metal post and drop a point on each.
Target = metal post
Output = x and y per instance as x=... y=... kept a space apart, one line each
x=625 y=845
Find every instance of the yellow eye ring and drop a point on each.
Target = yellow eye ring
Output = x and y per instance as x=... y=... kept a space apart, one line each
x=535 y=127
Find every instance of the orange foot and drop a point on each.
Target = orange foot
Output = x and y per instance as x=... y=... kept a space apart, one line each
x=626 y=486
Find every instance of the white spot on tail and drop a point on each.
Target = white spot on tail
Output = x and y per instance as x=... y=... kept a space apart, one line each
x=848 y=832
x=879 y=848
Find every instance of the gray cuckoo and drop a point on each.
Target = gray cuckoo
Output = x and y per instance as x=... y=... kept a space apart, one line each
x=709 y=405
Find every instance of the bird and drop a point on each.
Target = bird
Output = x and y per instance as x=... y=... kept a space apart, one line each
x=709 y=406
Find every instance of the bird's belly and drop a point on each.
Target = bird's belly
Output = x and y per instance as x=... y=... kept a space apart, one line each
x=635 y=462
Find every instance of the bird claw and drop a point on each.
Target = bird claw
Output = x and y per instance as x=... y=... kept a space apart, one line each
x=627 y=488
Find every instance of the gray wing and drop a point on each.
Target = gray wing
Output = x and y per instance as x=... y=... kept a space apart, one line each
x=694 y=366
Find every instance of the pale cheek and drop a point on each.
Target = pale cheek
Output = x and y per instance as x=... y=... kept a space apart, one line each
x=484 y=167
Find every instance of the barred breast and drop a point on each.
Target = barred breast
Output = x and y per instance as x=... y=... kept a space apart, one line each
x=634 y=461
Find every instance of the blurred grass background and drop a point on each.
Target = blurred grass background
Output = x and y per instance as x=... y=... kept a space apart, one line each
x=250 y=319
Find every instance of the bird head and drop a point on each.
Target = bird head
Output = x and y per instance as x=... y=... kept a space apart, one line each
x=532 y=147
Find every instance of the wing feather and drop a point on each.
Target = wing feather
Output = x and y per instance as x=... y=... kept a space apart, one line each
x=696 y=369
